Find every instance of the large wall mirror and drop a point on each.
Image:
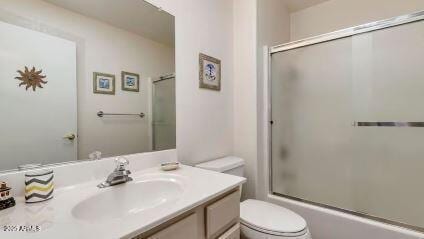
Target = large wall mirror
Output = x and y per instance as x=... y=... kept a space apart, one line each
x=81 y=80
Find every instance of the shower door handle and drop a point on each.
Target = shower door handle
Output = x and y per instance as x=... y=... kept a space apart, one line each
x=388 y=124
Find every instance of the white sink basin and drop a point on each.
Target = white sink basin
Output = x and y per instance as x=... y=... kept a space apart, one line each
x=130 y=198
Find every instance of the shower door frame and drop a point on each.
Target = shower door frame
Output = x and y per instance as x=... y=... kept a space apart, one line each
x=267 y=66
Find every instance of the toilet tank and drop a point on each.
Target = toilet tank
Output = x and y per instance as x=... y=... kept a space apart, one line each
x=229 y=165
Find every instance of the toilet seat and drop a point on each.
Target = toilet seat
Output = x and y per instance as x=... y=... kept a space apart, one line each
x=275 y=233
x=271 y=219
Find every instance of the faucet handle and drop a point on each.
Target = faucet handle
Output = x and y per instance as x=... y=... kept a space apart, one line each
x=121 y=163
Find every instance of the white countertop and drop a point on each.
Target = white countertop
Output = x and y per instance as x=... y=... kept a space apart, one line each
x=56 y=219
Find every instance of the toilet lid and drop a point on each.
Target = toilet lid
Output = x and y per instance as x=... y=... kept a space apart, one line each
x=270 y=218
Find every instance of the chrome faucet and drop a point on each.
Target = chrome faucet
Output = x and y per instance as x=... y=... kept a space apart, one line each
x=119 y=175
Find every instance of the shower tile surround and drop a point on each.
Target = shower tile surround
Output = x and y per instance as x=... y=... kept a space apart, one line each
x=59 y=211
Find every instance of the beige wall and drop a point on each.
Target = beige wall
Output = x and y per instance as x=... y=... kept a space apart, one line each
x=256 y=23
x=273 y=28
x=204 y=117
x=216 y=124
x=245 y=85
x=337 y=14
x=103 y=48
x=273 y=23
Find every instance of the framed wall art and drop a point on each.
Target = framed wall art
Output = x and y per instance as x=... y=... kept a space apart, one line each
x=130 y=81
x=103 y=83
x=209 y=72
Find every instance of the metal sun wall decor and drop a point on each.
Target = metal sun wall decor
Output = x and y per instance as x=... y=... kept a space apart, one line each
x=31 y=78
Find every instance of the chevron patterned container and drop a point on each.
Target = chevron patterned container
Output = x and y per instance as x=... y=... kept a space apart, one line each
x=39 y=186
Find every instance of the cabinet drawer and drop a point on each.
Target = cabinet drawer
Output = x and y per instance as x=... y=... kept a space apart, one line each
x=222 y=214
x=232 y=233
x=183 y=229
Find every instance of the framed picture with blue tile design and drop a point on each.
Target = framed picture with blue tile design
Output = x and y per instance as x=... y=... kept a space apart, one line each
x=130 y=81
x=103 y=83
x=209 y=72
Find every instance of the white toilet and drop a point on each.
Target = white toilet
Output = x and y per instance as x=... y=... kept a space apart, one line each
x=259 y=219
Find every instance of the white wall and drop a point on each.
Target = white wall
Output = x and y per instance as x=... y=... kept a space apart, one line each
x=103 y=48
x=245 y=85
x=337 y=14
x=204 y=117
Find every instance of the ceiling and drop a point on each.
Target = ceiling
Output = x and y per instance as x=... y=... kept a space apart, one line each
x=297 y=5
x=136 y=16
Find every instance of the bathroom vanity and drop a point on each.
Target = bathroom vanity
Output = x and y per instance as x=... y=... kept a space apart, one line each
x=182 y=204
x=217 y=218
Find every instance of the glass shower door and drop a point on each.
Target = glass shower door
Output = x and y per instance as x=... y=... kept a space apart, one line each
x=163 y=107
x=329 y=101
x=388 y=87
x=312 y=115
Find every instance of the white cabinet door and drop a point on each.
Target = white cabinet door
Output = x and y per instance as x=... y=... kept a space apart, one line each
x=33 y=123
x=232 y=233
x=222 y=214
x=184 y=229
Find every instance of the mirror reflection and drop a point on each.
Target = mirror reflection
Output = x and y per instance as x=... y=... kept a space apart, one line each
x=84 y=80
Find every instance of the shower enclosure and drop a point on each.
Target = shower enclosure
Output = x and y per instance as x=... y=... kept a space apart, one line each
x=347 y=120
x=163 y=108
